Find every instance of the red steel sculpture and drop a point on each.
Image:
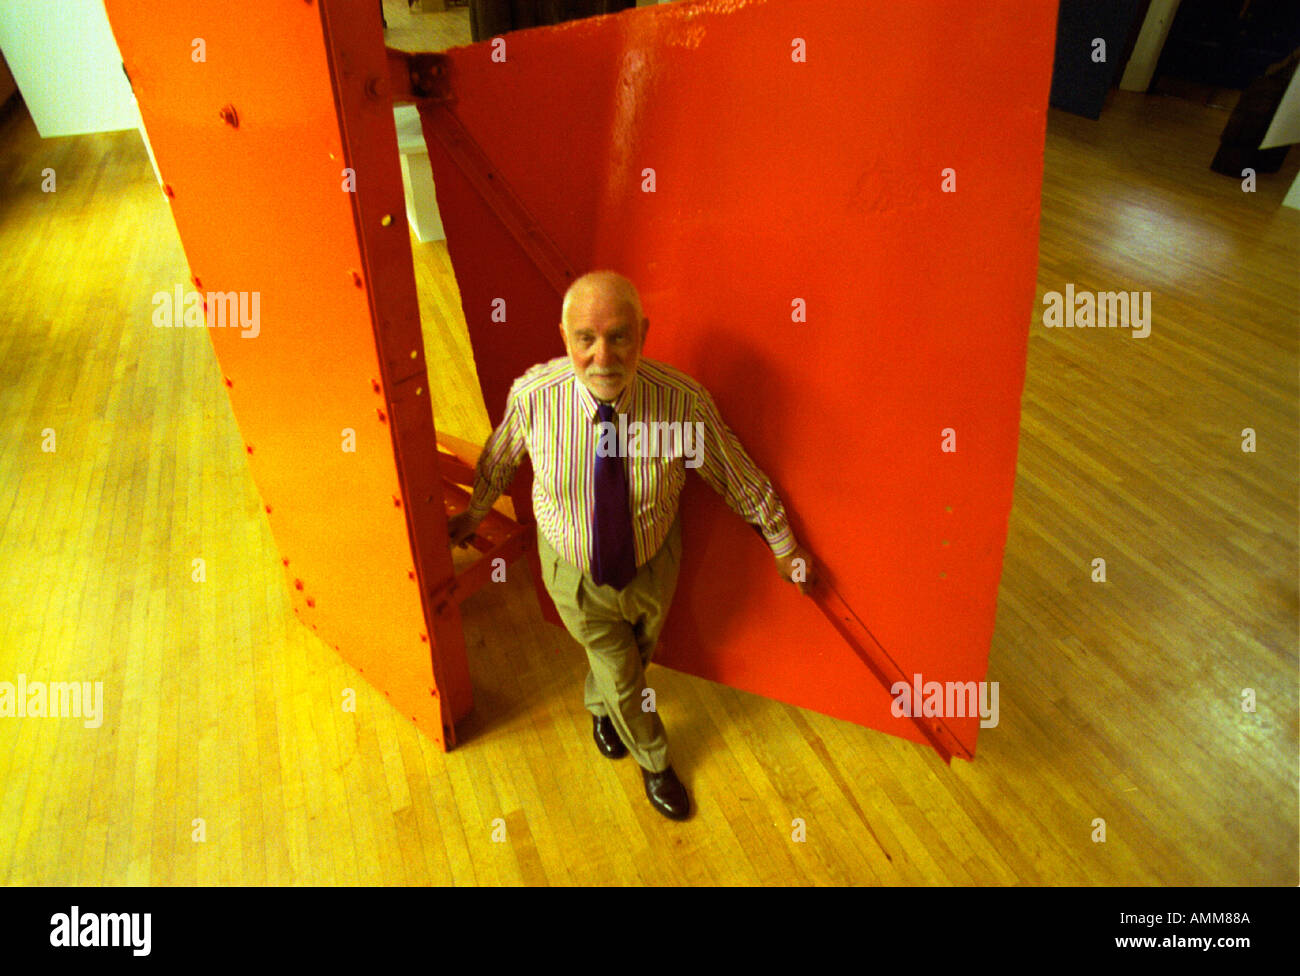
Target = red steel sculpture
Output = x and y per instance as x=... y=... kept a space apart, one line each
x=831 y=211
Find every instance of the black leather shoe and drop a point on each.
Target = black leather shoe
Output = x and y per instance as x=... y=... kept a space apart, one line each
x=606 y=736
x=667 y=794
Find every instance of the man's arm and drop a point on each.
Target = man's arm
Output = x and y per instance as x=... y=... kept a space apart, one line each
x=501 y=456
x=732 y=473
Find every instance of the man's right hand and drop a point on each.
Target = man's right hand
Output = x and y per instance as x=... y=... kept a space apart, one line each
x=460 y=528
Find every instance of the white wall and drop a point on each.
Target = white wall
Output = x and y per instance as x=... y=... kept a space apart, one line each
x=1285 y=127
x=1292 y=198
x=1146 y=50
x=66 y=63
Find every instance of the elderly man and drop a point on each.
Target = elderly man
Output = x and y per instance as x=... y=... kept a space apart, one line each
x=610 y=435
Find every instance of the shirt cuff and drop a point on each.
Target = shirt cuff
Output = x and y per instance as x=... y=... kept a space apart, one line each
x=480 y=502
x=783 y=543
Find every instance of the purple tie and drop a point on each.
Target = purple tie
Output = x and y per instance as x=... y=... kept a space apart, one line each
x=613 y=551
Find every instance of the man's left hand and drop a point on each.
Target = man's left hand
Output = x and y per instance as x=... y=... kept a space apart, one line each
x=798 y=568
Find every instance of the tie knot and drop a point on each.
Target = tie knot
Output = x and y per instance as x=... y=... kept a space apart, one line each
x=606 y=412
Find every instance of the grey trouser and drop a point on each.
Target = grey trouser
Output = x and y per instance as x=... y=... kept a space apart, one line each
x=619 y=630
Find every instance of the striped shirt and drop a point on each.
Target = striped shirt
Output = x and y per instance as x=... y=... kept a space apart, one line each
x=666 y=423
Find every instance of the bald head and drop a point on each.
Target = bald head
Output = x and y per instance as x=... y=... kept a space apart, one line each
x=604 y=330
x=596 y=285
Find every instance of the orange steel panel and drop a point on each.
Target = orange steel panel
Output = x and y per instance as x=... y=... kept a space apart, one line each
x=252 y=142
x=798 y=152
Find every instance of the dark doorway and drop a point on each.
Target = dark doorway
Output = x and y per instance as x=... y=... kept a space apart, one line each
x=1225 y=43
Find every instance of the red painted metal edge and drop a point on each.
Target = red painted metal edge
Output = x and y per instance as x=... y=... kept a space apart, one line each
x=362 y=79
x=884 y=667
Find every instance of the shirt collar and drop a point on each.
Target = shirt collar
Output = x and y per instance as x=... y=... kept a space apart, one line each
x=589 y=403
